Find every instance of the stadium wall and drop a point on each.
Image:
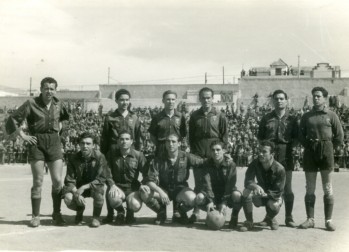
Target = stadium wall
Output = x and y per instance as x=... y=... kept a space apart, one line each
x=156 y=91
x=150 y=95
x=294 y=87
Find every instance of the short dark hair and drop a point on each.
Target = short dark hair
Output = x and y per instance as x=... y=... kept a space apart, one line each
x=218 y=142
x=205 y=89
x=48 y=80
x=167 y=92
x=268 y=143
x=126 y=132
x=321 y=89
x=87 y=134
x=279 y=91
x=176 y=135
x=121 y=92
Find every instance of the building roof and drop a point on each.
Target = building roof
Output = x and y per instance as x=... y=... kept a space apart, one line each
x=279 y=62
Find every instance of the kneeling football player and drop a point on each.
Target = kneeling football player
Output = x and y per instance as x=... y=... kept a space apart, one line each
x=125 y=164
x=85 y=178
x=166 y=181
x=219 y=184
x=268 y=189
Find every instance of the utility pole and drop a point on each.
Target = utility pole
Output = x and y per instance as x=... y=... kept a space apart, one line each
x=30 y=87
x=223 y=75
x=299 y=67
x=205 y=78
x=108 y=74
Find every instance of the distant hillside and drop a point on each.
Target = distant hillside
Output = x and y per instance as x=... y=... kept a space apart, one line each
x=12 y=90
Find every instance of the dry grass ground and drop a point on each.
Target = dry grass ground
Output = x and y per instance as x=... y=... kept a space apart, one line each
x=15 y=212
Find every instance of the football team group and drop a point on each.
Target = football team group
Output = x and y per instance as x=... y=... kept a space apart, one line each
x=119 y=163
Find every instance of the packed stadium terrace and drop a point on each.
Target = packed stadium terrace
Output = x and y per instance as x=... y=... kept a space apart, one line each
x=243 y=128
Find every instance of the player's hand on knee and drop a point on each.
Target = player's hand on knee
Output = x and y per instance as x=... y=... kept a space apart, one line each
x=164 y=198
x=113 y=191
x=222 y=208
x=258 y=191
x=81 y=201
x=210 y=207
x=145 y=189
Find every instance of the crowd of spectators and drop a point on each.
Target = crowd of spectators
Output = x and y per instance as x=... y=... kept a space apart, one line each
x=243 y=128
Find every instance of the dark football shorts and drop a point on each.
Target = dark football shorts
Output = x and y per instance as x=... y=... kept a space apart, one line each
x=259 y=201
x=217 y=201
x=318 y=157
x=283 y=154
x=48 y=148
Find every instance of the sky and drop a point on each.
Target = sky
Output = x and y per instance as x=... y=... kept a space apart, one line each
x=164 y=41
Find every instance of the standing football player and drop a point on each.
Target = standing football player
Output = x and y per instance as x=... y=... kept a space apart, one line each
x=281 y=128
x=43 y=114
x=206 y=125
x=320 y=133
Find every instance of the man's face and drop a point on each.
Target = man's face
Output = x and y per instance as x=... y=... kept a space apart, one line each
x=279 y=101
x=264 y=154
x=86 y=146
x=217 y=152
x=125 y=141
x=48 y=90
x=206 y=99
x=169 y=101
x=172 y=144
x=318 y=98
x=123 y=101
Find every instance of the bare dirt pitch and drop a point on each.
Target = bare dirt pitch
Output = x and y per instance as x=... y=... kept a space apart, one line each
x=15 y=212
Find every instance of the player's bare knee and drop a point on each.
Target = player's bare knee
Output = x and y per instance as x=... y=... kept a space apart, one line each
x=327 y=188
x=145 y=196
x=273 y=205
x=236 y=196
x=186 y=198
x=134 y=201
x=36 y=192
x=115 y=201
x=69 y=201
x=68 y=198
x=247 y=193
x=56 y=188
x=200 y=199
x=310 y=188
x=37 y=182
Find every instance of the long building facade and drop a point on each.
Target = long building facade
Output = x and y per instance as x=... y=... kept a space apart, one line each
x=298 y=90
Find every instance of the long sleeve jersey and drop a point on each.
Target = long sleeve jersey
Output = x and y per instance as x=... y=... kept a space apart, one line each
x=39 y=118
x=219 y=182
x=82 y=171
x=271 y=180
x=114 y=123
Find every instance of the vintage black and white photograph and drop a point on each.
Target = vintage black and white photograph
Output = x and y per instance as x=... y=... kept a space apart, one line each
x=163 y=125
